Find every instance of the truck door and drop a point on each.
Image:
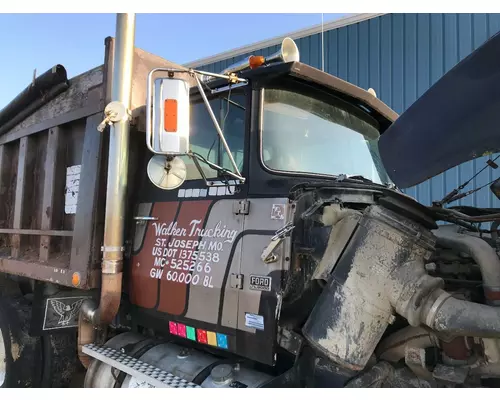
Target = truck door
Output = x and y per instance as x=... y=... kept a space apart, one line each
x=186 y=247
x=219 y=243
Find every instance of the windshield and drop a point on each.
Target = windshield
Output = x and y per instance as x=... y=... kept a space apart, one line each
x=301 y=134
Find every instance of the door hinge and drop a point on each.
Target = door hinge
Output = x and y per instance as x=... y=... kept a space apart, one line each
x=236 y=281
x=241 y=207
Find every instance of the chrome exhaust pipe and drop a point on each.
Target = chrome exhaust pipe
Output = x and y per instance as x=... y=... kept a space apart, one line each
x=93 y=315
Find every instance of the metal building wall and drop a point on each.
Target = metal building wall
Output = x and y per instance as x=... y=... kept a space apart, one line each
x=401 y=56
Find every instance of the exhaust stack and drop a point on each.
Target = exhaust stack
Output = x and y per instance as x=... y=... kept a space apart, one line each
x=117 y=113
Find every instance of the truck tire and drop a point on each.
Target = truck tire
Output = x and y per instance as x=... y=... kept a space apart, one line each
x=19 y=352
x=60 y=359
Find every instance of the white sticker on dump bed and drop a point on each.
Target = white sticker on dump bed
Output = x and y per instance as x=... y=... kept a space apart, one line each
x=72 y=186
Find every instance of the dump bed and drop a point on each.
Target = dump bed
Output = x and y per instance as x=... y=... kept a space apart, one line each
x=53 y=177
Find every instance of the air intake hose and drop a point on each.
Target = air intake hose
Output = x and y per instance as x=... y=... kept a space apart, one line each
x=381 y=273
x=482 y=253
x=445 y=313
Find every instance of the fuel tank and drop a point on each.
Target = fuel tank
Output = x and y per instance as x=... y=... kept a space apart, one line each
x=185 y=363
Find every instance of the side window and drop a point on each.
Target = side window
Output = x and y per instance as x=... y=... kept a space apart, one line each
x=205 y=141
x=201 y=140
x=233 y=119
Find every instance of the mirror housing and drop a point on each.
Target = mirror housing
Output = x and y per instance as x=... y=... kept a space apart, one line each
x=169 y=134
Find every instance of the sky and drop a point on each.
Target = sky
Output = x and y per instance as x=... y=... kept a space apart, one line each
x=40 y=41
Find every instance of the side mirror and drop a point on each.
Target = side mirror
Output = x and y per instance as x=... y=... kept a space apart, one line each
x=168 y=127
x=167 y=130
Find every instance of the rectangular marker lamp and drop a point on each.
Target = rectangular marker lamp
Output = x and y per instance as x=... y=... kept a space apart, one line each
x=171 y=116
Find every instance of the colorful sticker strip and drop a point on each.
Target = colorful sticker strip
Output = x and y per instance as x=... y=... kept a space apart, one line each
x=200 y=335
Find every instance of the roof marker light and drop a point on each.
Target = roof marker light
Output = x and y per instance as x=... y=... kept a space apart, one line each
x=256 y=61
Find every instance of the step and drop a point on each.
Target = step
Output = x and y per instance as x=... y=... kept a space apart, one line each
x=140 y=370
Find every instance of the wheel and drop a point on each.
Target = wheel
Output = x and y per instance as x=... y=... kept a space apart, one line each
x=60 y=359
x=19 y=352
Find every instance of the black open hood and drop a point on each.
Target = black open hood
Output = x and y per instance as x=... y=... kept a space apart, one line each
x=456 y=120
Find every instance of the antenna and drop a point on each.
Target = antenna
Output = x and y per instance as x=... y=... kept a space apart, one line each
x=322 y=46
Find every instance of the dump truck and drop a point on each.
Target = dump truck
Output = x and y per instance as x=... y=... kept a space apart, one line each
x=163 y=226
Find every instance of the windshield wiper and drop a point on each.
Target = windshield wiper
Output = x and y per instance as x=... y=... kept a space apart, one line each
x=344 y=177
x=361 y=178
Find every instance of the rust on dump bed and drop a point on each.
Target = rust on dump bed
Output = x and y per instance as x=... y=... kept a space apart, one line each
x=43 y=159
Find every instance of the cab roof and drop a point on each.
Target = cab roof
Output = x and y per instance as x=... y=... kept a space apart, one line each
x=355 y=95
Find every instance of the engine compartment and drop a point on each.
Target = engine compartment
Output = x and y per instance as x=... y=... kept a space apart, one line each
x=404 y=302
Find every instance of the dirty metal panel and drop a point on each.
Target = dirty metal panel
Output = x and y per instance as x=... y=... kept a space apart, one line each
x=83 y=240
x=95 y=105
x=19 y=196
x=35 y=226
x=45 y=242
x=259 y=302
x=67 y=228
x=48 y=190
x=79 y=96
x=265 y=218
x=56 y=273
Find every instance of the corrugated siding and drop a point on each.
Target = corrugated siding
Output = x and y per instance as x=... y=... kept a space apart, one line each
x=401 y=56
